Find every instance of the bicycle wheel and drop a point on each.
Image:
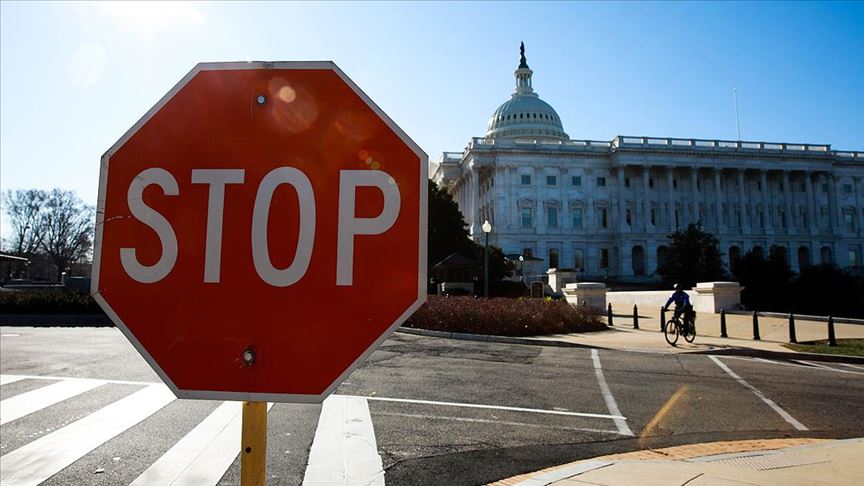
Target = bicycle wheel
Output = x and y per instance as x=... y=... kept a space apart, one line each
x=670 y=330
x=690 y=333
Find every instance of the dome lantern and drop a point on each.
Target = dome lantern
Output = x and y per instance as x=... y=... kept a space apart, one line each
x=525 y=115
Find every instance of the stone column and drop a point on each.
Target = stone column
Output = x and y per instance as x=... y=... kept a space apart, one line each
x=670 y=197
x=790 y=216
x=646 y=199
x=622 y=202
x=766 y=202
x=475 y=201
x=742 y=204
x=694 y=195
x=811 y=206
x=718 y=202
x=828 y=178
x=590 y=220
x=833 y=207
x=856 y=182
x=539 y=208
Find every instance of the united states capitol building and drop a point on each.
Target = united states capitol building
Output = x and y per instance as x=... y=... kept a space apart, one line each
x=604 y=208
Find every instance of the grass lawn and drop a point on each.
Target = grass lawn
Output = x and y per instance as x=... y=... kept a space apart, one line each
x=849 y=347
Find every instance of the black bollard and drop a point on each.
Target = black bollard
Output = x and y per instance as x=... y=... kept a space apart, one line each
x=635 y=317
x=756 y=327
x=792 y=338
x=723 y=323
x=609 y=314
x=662 y=318
x=832 y=340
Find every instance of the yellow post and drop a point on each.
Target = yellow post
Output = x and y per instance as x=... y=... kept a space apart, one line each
x=253 y=452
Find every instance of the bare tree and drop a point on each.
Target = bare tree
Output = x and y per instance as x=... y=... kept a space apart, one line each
x=24 y=209
x=67 y=224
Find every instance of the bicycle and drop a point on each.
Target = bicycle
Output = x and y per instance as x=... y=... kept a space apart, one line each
x=675 y=327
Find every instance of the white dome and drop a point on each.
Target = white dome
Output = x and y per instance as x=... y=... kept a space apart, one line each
x=525 y=115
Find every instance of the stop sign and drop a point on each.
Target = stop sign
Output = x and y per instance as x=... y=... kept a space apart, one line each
x=260 y=231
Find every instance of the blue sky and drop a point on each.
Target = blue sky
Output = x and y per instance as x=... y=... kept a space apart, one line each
x=75 y=77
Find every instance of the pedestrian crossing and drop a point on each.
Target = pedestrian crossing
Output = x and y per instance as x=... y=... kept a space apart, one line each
x=343 y=451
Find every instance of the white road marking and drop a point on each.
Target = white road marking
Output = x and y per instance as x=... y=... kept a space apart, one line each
x=492 y=407
x=35 y=400
x=850 y=365
x=44 y=457
x=497 y=422
x=798 y=425
x=828 y=368
x=70 y=378
x=344 y=450
x=564 y=473
x=204 y=454
x=620 y=421
x=5 y=379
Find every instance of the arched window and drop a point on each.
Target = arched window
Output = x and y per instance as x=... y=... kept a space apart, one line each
x=638 y=254
x=758 y=251
x=825 y=255
x=734 y=253
x=803 y=257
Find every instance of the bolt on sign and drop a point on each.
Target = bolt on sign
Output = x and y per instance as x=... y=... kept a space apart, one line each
x=260 y=231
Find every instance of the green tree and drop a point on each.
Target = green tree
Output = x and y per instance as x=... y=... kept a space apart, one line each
x=766 y=281
x=692 y=256
x=448 y=234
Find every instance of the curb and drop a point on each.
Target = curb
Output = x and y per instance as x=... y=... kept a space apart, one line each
x=737 y=351
x=491 y=338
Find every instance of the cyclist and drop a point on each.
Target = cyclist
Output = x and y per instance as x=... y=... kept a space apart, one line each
x=682 y=305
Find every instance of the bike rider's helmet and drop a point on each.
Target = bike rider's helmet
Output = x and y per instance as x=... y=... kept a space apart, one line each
x=677 y=286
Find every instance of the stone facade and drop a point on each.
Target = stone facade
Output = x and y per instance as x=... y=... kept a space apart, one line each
x=605 y=208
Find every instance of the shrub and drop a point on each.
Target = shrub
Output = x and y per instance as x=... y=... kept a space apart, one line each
x=49 y=301
x=503 y=317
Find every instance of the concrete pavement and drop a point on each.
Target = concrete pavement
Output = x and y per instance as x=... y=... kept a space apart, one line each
x=774 y=333
x=766 y=462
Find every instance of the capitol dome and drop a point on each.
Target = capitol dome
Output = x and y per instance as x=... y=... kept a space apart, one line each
x=525 y=115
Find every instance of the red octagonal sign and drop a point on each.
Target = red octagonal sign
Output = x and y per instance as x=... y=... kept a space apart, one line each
x=260 y=231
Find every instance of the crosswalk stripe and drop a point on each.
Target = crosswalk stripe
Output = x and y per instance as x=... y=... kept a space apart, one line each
x=39 y=460
x=6 y=379
x=204 y=454
x=828 y=368
x=35 y=400
x=344 y=450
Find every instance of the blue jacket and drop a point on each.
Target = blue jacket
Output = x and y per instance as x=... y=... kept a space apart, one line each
x=680 y=298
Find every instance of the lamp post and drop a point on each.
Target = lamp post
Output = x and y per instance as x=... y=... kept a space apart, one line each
x=487 y=228
x=521 y=270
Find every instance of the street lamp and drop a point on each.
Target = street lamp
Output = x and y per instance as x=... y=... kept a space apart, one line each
x=487 y=228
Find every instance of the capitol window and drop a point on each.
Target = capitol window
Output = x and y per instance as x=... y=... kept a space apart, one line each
x=602 y=218
x=604 y=258
x=601 y=182
x=551 y=180
x=847 y=188
x=525 y=179
x=552 y=217
x=576 y=181
x=577 y=218
x=527 y=218
x=626 y=182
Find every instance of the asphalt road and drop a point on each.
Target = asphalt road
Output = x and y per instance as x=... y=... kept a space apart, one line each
x=530 y=407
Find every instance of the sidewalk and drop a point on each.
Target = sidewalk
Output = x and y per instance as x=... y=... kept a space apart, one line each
x=764 y=462
x=739 y=329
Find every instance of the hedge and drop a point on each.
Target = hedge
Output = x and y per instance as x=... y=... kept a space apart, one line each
x=49 y=301
x=503 y=317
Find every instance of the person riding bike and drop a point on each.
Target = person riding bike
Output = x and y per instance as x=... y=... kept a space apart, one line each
x=682 y=305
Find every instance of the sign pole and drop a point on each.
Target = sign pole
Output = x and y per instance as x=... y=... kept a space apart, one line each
x=253 y=453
